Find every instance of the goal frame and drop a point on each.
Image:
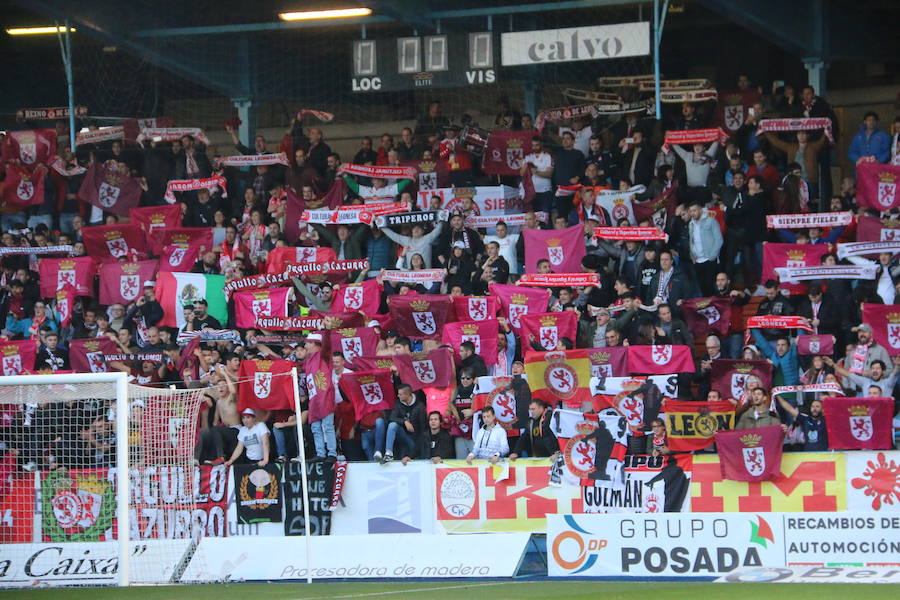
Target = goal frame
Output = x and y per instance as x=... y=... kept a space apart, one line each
x=123 y=481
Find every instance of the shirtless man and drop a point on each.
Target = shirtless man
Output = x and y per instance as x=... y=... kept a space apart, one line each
x=221 y=439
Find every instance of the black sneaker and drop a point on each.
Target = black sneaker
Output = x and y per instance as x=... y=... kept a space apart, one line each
x=388 y=457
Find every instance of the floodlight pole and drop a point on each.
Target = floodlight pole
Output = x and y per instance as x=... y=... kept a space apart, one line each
x=659 y=23
x=65 y=48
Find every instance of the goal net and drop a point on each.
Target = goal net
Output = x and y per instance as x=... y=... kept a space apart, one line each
x=67 y=517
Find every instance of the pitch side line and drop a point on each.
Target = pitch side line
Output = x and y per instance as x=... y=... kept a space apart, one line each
x=414 y=590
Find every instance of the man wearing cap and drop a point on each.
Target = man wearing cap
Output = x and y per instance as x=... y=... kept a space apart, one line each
x=592 y=333
x=145 y=313
x=253 y=441
x=866 y=352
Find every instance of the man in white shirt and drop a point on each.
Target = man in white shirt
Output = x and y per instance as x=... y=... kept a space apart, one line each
x=253 y=441
x=507 y=245
x=490 y=442
x=540 y=164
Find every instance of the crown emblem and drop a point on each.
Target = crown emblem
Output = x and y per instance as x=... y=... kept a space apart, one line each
x=514 y=143
x=893 y=317
x=419 y=305
x=384 y=363
x=464 y=192
x=751 y=439
x=887 y=177
x=180 y=239
x=426 y=166
x=347 y=332
x=518 y=299
x=470 y=329
x=321 y=382
x=732 y=99
x=263 y=365
x=553 y=242
x=703 y=303
x=260 y=294
x=419 y=355
x=584 y=427
x=743 y=368
x=555 y=357
x=859 y=411
x=363 y=379
x=131 y=268
x=92 y=484
x=61 y=295
x=796 y=254
x=548 y=320
x=10 y=350
x=157 y=218
x=600 y=357
x=66 y=265
x=113 y=235
x=91 y=346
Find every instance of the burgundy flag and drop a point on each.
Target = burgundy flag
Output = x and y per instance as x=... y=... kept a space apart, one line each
x=810 y=345
x=611 y=361
x=877 y=185
x=370 y=362
x=707 y=315
x=87 y=355
x=282 y=256
x=200 y=237
x=420 y=316
x=475 y=308
x=750 y=454
x=658 y=211
x=516 y=302
x=873 y=229
x=859 y=423
x=178 y=259
x=430 y=174
x=351 y=319
x=251 y=305
x=22 y=189
x=548 y=328
x=65 y=300
x=660 y=360
x=295 y=205
x=319 y=386
x=17 y=358
x=426 y=369
x=266 y=384
x=483 y=334
x=132 y=127
x=151 y=218
x=505 y=151
x=354 y=342
x=58 y=272
x=111 y=187
x=729 y=376
x=564 y=248
x=885 y=322
x=123 y=282
x=106 y=243
x=365 y=297
x=369 y=391
x=30 y=147
x=791 y=255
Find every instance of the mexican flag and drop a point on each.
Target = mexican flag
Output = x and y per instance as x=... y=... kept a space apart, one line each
x=174 y=290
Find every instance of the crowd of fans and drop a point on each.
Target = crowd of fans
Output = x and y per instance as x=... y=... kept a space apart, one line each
x=718 y=188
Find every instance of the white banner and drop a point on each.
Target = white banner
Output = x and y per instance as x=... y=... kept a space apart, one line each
x=794 y=274
x=873 y=481
x=575 y=43
x=863 y=248
x=706 y=544
x=488 y=199
x=802 y=221
x=357 y=557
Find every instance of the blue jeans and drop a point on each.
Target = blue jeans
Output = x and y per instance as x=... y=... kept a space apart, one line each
x=280 y=435
x=324 y=438
x=373 y=439
x=397 y=433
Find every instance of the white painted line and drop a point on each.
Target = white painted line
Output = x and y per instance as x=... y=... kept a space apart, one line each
x=413 y=590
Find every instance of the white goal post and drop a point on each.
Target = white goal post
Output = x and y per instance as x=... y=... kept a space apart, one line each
x=72 y=445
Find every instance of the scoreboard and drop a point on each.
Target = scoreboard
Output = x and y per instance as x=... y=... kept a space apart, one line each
x=431 y=61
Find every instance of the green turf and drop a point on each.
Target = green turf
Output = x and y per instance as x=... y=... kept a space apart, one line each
x=457 y=590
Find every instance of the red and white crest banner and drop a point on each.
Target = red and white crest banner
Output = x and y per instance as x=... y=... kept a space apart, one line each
x=859 y=423
x=482 y=334
x=563 y=248
x=660 y=359
x=369 y=391
x=421 y=316
x=809 y=124
x=878 y=185
x=123 y=282
x=475 y=308
x=55 y=273
x=516 y=302
x=106 y=243
x=266 y=385
x=548 y=328
x=364 y=297
x=253 y=305
x=426 y=369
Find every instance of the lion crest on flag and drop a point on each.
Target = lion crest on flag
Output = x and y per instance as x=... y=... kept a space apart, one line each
x=262 y=384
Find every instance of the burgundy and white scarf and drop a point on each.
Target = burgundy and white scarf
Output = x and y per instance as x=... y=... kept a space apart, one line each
x=778 y=322
x=858 y=359
x=562 y=113
x=796 y=125
x=184 y=185
x=378 y=172
x=34 y=250
x=630 y=81
x=809 y=387
x=795 y=274
x=586 y=96
x=674 y=84
x=694 y=136
x=630 y=234
x=678 y=96
x=59 y=165
x=325 y=117
x=170 y=134
x=117 y=132
x=422 y=276
x=863 y=248
x=242 y=160
x=560 y=279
